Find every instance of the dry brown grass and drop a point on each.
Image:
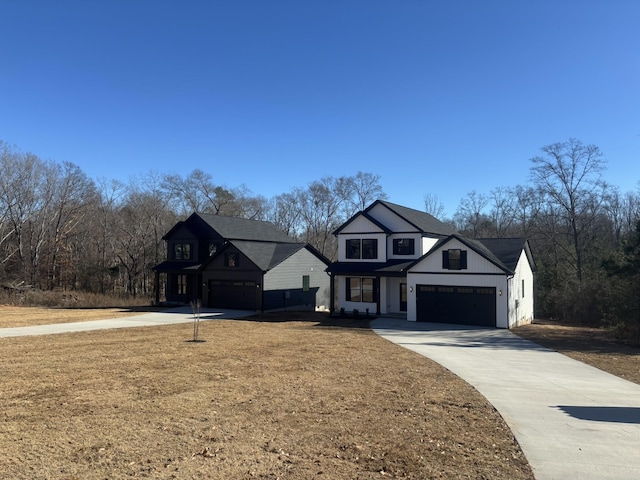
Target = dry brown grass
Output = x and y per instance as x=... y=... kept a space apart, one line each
x=593 y=346
x=286 y=396
x=12 y=316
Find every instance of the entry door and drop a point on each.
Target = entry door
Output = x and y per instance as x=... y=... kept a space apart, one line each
x=403 y=297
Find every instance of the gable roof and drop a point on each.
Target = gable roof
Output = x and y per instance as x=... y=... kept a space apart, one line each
x=504 y=253
x=423 y=221
x=265 y=255
x=232 y=228
x=508 y=250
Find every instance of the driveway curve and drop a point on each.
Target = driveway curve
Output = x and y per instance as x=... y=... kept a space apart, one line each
x=571 y=420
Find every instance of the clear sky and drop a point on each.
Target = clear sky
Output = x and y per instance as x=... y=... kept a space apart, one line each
x=440 y=97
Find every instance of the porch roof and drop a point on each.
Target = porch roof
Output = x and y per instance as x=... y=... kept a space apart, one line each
x=177 y=266
x=391 y=268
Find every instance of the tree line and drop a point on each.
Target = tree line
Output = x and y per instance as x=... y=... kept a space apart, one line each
x=61 y=230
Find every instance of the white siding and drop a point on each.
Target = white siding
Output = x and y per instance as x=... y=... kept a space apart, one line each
x=289 y=273
x=361 y=224
x=390 y=220
x=427 y=244
x=475 y=263
x=521 y=308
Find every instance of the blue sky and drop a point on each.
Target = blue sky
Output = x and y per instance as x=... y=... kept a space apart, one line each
x=436 y=97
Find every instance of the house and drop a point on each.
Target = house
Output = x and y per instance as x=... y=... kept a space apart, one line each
x=237 y=263
x=397 y=260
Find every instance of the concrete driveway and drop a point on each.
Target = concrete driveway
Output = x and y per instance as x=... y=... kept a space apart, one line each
x=166 y=317
x=571 y=420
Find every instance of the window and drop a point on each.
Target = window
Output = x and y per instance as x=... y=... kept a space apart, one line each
x=182 y=251
x=370 y=248
x=366 y=248
x=403 y=246
x=231 y=259
x=353 y=248
x=213 y=248
x=181 y=284
x=361 y=290
x=455 y=259
x=305 y=283
x=523 y=288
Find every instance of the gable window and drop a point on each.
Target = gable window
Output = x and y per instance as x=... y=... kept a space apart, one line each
x=231 y=259
x=361 y=289
x=454 y=259
x=182 y=251
x=362 y=249
x=181 y=284
x=403 y=246
x=305 y=283
x=213 y=248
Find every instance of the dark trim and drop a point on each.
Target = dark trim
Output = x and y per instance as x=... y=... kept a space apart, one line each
x=459 y=272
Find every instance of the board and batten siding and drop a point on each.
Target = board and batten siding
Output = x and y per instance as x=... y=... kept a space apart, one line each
x=289 y=274
x=521 y=306
x=390 y=219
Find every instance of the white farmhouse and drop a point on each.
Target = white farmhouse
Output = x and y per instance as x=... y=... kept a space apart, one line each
x=397 y=260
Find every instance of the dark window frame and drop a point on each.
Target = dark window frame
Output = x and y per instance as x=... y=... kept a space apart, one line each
x=232 y=259
x=454 y=259
x=181 y=284
x=361 y=290
x=404 y=246
x=182 y=251
x=361 y=248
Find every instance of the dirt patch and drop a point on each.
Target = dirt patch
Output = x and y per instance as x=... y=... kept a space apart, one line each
x=592 y=346
x=12 y=316
x=285 y=396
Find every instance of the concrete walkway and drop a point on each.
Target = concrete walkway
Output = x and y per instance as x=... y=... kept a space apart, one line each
x=571 y=420
x=167 y=317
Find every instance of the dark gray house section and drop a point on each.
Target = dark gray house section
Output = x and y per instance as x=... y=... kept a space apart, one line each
x=236 y=263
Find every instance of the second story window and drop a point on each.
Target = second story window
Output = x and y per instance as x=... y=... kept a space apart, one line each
x=231 y=259
x=454 y=259
x=403 y=246
x=182 y=251
x=362 y=249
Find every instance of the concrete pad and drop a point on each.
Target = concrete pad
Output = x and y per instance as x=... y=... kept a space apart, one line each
x=571 y=420
x=167 y=317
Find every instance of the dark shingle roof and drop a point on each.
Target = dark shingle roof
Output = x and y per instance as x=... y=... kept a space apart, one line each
x=232 y=228
x=266 y=255
x=421 y=220
x=507 y=250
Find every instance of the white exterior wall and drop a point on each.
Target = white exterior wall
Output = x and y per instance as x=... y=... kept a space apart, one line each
x=289 y=273
x=427 y=244
x=521 y=308
x=390 y=220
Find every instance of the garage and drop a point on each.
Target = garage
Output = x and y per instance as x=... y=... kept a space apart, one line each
x=465 y=305
x=234 y=294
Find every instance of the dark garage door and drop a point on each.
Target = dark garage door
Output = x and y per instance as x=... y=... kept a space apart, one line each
x=236 y=294
x=461 y=305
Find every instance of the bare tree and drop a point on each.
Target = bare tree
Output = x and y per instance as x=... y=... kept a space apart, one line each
x=433 y=205
x=361 y=190
x=470 y=216
x=569 y=174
